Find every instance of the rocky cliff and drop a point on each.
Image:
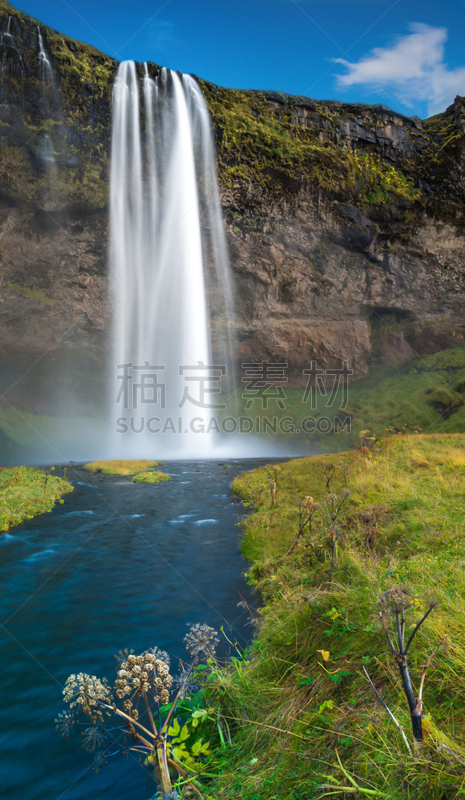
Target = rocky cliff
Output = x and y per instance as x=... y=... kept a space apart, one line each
x=344 y=222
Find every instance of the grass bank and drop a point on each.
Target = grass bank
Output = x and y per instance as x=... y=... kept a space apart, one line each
x=299 y=715
x=26 y=492
x=428 y=392
x=142 y=471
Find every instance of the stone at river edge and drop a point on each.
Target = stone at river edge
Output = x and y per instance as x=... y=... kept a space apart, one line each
x=344 y=222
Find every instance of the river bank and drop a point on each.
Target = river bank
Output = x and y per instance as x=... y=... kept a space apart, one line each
x=26 y=492
x=303 y=717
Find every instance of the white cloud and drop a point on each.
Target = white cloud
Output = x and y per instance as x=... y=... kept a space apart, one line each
x=412 y=68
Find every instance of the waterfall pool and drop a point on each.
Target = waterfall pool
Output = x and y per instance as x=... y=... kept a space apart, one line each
x=117 y=565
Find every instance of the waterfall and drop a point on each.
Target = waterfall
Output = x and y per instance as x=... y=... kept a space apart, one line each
x=11 y=61
x=49 y=107
x=162 y=179
x=45 y=68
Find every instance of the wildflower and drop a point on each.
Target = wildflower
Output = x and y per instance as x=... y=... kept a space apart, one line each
x=201 y=638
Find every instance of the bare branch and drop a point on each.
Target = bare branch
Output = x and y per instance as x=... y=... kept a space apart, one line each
x=399 y=726
x=417 y=626
x=428 y=663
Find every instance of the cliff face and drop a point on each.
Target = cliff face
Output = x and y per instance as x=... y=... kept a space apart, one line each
x=345 y=223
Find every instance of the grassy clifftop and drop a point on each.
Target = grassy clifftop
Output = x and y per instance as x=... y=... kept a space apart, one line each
x=304 y=720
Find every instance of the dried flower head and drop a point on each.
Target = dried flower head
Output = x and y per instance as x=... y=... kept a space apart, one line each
x=99 y=761
x=201 y=638
x=395 y=600
x=88 y=692
x=185 y=683
x=65 y=723
x=144 y=673
x=91 y=738
x=162 y=655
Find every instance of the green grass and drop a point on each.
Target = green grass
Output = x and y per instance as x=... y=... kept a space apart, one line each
x=427 y=391
x=151 y=477
x=122 y=467
x=26 y=492
x=299 y=710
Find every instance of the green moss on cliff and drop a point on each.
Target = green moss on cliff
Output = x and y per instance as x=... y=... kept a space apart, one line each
x=260 y=143
x=38 y=295
x=279 y=144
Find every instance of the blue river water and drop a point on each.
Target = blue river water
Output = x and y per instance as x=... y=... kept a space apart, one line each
x=117 y=565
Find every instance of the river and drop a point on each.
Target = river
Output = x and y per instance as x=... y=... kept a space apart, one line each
x=116 y=565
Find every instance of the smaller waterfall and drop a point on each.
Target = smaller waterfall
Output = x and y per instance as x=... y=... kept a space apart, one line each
x=49 y=107
x=45 y=68
x=11 y=61
x=164 y=206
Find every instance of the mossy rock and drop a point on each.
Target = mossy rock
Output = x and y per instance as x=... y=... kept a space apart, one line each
x=121 y=467
x=154 y=476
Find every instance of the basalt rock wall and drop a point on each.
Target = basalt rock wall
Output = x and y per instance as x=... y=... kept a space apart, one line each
x=344 y=223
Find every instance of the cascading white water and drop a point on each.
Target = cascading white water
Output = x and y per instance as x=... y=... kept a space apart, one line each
x=11 y=62
x=46 y=73
x=161 y=353
x=214 y=223
x=44 y=143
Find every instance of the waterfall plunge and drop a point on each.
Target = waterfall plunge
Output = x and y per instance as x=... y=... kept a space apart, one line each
x=161 y=155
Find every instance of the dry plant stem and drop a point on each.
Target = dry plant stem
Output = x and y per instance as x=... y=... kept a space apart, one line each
x=335 y=510
x=302 y=525
x=129 y=719
x=274 y=473
x=416 y=628
x=264 y=725
x=161 y=754
x=428 y=663
x=149 y=712
x=178 y=695
x=160 y=744
x=400 y=655
x=399 y=726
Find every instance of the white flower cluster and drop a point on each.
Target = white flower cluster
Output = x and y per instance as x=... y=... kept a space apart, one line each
x=87 y=691
x=145 y=673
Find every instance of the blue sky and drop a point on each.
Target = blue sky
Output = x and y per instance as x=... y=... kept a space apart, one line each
x=407 y=54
